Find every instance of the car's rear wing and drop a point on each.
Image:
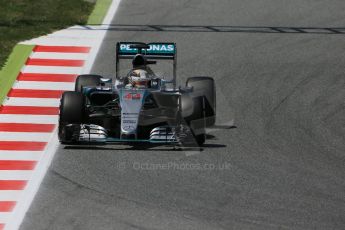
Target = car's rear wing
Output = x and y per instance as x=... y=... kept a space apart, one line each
x=154 y=50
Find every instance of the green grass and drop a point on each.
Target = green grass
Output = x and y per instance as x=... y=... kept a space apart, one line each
x=10 y=71
x=99 y=12
x=25 y=19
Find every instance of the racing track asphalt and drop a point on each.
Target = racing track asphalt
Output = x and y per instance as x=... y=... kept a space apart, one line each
x=283 y=166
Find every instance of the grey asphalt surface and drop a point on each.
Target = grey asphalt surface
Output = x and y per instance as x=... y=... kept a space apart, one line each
x=283 y=166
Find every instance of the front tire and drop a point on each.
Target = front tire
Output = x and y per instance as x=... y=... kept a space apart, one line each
x=199 y=123
x=196 y=124
x=205 y=87
x=72 y=110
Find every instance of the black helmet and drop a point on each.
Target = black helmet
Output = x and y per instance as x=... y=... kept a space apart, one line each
x=138 y=60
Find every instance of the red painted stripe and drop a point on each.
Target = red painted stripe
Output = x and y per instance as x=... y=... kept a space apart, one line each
x=2 y=226
x=35 y=93
x=22 y=145
x=47 y=77
x=54 y=62
x=62 y=49
x=7 y=206
x=25 y=127
x=12 y=184
x=17 y=165
x=32 y=110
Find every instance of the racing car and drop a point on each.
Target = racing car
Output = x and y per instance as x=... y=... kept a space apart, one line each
x=139 y=107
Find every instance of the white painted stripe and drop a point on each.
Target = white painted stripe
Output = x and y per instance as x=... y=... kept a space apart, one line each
x=101 y=35
x=15 y=174
x=44 y=85
x=33 y=185
x=51 y=69
x=24 y=136
x=5 y=217
x=43 y=165
x=21 y=155
x=89 y=38
x=22 y=101
x=56 y=55
x=34 y=119
x=10 y=195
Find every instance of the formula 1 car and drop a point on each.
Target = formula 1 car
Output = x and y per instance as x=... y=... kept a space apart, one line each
x=140 y=107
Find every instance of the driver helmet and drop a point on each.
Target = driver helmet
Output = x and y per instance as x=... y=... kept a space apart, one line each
x=139 y=78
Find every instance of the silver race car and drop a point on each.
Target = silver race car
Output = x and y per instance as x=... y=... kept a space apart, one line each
x=139 y=107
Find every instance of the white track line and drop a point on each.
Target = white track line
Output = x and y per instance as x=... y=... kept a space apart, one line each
x=106 y=23
x=24 y=136
x=15 y=174
x=10 y=195
x=5 y=216
x=44 y=163
x=22 y=101
x=63 y=40
x=21 y=155
x=33 y=185
x=57 y=55
x=51 y=69
x=45 y=85
x=33 y=119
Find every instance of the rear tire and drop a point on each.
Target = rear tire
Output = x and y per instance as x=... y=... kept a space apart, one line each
x=87 y=80
x=72 y=110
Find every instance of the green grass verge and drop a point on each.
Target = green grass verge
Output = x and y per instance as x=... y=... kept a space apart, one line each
x=26 y=19
x=99 y=12
x=10 y=71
